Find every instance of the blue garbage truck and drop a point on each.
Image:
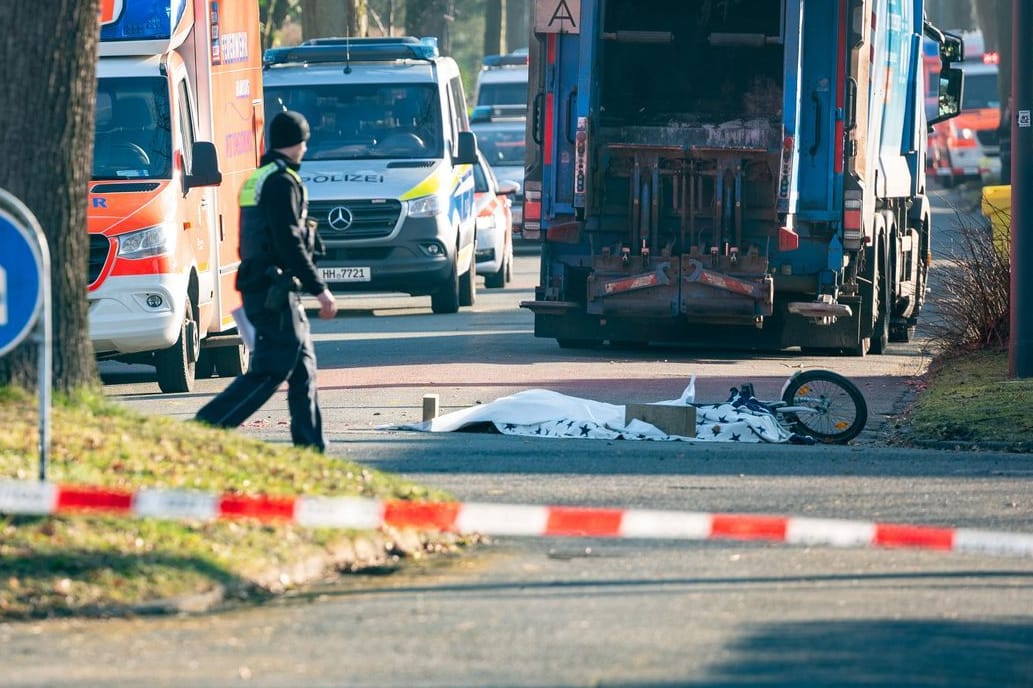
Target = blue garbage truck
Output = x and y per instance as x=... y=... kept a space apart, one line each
x=742 y=171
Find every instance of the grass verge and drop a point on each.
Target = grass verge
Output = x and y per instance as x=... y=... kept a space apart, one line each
x=54 y=566
x=968 y=398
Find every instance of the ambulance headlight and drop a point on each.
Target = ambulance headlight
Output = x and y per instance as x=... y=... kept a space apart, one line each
x=427 y=206
x=146 y=243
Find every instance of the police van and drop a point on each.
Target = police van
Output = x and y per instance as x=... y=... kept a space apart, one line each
x=503 y=80
x=389 y=164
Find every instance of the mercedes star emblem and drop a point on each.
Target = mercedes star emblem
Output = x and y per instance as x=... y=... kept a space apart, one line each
x=340 y=218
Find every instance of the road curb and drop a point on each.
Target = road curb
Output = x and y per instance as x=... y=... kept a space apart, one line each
x=956 y=445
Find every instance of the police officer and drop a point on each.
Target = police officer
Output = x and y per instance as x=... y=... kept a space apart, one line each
x=277 y=249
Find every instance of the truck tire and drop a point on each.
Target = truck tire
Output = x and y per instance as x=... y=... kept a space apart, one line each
x=446 y=298
x=864 y=345
x=902 y=333
x=881 y=294
x=177 y=364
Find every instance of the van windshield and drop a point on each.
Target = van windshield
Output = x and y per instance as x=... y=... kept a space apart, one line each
x=132 y=137
x=362 y=121
x=980 y=92
x=502 y=93
x=501 y=146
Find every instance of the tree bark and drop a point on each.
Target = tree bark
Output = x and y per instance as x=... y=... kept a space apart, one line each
x=518 y=24
x=48 y=68
x=951 y=15
x=430 y=18
x=998 y=13
x=271 y=14
x=493 y=27
x=321 y=19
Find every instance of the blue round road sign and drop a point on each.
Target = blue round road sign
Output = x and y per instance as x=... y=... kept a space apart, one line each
x=21 y=280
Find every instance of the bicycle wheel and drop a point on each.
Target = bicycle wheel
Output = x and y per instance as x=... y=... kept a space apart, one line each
x=839 y=411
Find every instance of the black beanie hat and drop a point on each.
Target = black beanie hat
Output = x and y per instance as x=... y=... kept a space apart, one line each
x=287 y=129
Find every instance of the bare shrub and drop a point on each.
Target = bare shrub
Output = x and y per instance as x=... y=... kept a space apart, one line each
x=974 y=291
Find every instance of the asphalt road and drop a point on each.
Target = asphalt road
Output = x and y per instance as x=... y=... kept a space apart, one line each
x=591 y=612
x=548 y=612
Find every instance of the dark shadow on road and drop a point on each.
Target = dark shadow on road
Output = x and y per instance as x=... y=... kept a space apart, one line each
x=881 y=652
x=829 y=653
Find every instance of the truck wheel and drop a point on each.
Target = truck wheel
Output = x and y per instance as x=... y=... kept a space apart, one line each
x=468 y=283
x=881 y=294
x=446 y=298
x=862 y=348
x=230 y=361
x=902 y=333
x=177 y=364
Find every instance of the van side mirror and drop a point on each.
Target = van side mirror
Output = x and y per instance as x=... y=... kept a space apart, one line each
x=949 y=95
x=467 y=149
x=204 y=168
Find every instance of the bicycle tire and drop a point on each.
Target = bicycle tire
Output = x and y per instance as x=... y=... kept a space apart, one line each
x=840 y=409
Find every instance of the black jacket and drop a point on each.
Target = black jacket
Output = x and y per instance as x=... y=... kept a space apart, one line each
x=273 y=229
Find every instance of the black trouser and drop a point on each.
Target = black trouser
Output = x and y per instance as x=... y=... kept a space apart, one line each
x=283 y=351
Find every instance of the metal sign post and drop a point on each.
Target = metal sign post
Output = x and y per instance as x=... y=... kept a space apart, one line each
x=1020 y=342
x=24 y=295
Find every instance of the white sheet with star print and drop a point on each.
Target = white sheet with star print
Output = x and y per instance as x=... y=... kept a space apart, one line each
x=544 y=413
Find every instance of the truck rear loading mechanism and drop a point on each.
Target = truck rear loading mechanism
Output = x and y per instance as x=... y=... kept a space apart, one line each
x=749 y=170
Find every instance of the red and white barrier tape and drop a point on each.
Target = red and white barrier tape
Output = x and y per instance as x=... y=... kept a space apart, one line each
x=24 y=497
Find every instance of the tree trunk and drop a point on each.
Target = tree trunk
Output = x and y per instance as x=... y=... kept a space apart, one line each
x=272 y=14
x=321 y=19
x=48 y=68
x=493 y=27
x=951 y=15
x=518 y=24
x=1000 y=13
x=430 y=18
x=382 y=18
x=358 y=17
x=986 y=21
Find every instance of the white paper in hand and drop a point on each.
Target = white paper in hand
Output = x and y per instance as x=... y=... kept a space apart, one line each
x=244 y=327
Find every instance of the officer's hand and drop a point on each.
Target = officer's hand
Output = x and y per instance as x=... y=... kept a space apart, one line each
x=327 y=305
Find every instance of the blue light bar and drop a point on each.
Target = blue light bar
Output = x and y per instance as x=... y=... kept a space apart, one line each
x=145 y=20
x=510 y=60
x=377 y=49
x=487 y=113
